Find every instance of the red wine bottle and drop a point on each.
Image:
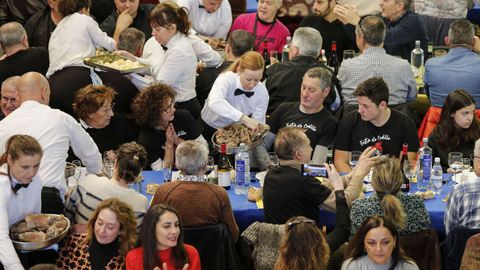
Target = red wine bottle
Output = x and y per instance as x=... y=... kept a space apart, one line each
x=404 y=158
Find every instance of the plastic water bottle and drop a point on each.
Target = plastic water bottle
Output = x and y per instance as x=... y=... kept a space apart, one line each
x=424 y=163
x=242 y=171
x=416 y=61
x=437 y=175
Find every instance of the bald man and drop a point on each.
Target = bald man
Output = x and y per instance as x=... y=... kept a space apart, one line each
x=55 y=131
x=8 y=102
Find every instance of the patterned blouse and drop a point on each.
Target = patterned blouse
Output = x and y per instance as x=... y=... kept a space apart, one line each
x=417 y=215
x=75 y=255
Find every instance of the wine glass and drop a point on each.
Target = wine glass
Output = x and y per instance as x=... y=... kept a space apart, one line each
x=455 y=162
x=167 y=172
x=272 y=160
x=108 y=163
x=465 y=168
x=210 y=165
x=410 y=171
x=354 y=157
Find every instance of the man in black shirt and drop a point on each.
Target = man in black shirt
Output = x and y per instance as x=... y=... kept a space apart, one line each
x=288 y=193
x=374 y=122
x=309 y=114
x=128 y=14
x=329 y=26
x=19 y=57
x=283 y=79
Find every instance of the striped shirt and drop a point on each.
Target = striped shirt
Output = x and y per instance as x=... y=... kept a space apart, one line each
x=92 y=190
x=463 y=206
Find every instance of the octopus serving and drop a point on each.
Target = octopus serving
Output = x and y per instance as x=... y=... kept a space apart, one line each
x=39 y=228
x=236 y=134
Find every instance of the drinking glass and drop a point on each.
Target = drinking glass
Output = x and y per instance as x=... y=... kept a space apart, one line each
x=78 y=170
x=167 y=172
x=354 y=157
x=210 y=165
x=465 y=168
x=108 y=164
x=410 y=171
x=272 y=160
x=455 y=162
x=348 y=54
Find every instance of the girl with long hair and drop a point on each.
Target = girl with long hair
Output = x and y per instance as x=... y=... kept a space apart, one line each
x=458 y=128
x=20 y=190
x=407 y=211
x=161 y=243
x=111 y=233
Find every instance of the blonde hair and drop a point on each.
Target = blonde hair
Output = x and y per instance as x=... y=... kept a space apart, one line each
x=250 y=60
x=387 y=180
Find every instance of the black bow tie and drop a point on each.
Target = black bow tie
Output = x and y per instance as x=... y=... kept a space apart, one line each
x=19 y=186
x=239 y=92
x=164 y=47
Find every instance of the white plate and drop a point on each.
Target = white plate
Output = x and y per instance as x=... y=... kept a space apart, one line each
x=261 y=177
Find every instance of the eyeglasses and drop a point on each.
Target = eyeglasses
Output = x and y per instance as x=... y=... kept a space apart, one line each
x=472 y=156
x=362 y=31
x=106 y=110
x=292 y=224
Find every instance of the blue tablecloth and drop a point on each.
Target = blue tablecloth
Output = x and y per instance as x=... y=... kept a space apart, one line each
x=247 y=212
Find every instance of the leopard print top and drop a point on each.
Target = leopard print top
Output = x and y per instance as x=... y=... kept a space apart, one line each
x=74 y=255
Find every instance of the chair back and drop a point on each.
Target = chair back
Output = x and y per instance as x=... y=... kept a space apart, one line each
x=471 y=255
x=454 y=246
x=423 y=247
x=215 y=246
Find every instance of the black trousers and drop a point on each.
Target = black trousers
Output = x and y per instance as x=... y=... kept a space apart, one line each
x=52 y=203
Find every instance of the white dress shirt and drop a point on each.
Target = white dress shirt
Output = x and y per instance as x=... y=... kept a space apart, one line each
x=55 y=131
x=178 y=68
x=75 y=38
x=13 y=208
x=216 y=24
x=222 y=107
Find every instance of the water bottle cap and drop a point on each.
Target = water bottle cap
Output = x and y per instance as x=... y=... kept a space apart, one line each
x=437 y=159
x=425 y=140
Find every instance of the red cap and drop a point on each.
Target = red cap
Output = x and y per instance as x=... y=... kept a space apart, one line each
x=223 y=148
x=405 y=148
x=334 y=46
x=378 y=145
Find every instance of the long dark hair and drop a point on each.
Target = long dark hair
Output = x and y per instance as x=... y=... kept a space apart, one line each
x=149 y=243
x=67 y=7
x=449 y=135
x=356 y=247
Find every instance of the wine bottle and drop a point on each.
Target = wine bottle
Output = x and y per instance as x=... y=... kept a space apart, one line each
x=333 y=61
x=404 y=158
x=224 y=168
x=266 y=55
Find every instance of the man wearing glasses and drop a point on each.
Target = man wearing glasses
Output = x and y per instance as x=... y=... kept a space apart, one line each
x=9 y=96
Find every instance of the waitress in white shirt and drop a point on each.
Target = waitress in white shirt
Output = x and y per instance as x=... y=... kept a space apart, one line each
x=238 y=95
x=178 y=67
x=20 y=191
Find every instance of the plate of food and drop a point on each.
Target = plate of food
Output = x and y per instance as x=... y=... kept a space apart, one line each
x=235 y=134
x=38 y=231
x=116 y=63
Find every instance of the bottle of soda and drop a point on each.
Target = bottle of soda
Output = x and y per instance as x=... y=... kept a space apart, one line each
x=404 y=159
x=266 y=55
x=333 y=61
x=286 y=49
x=224 y=168
x=242 y=171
